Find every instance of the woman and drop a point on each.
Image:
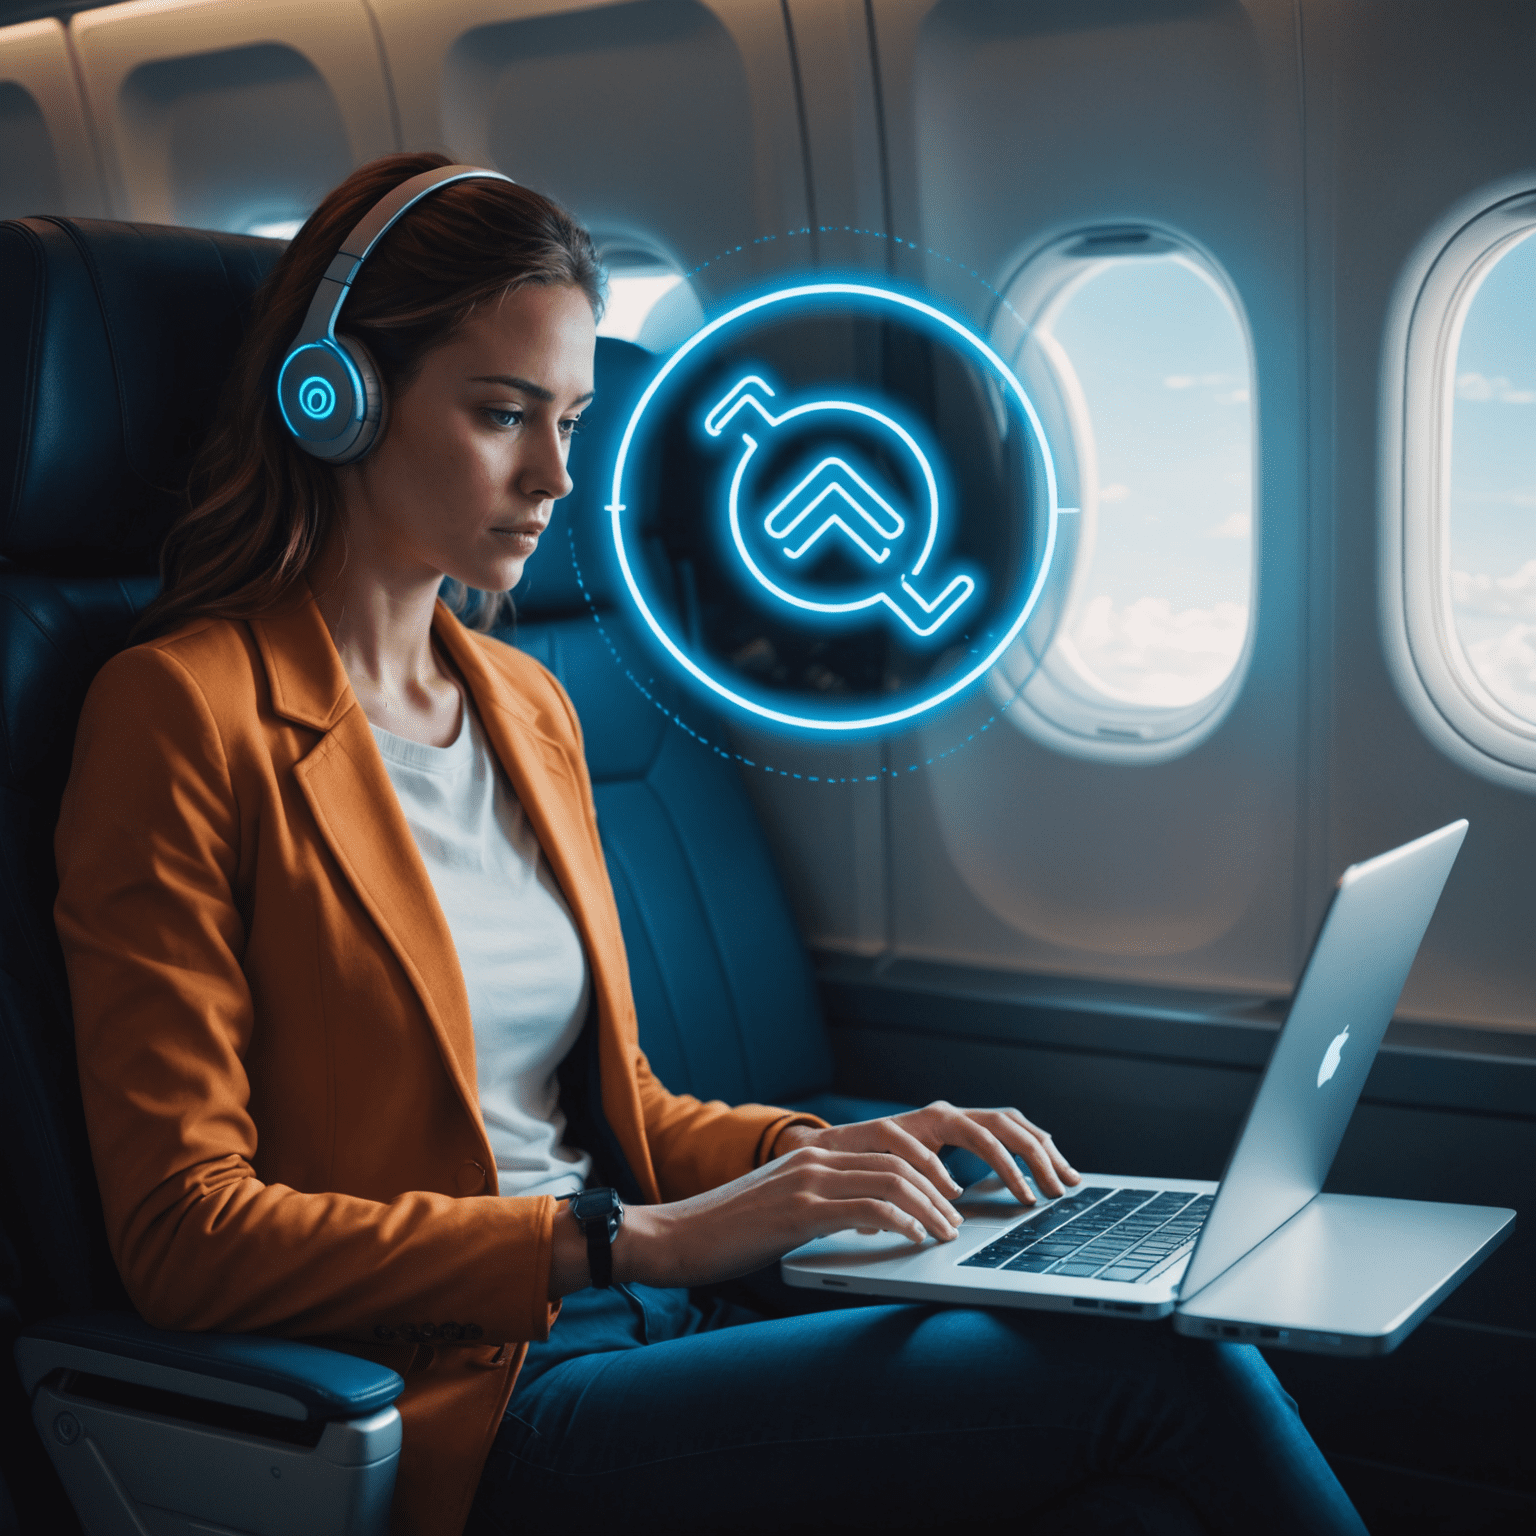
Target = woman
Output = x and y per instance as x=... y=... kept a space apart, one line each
x=336 y=914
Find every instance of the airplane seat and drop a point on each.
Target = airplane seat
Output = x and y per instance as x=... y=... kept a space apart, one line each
x=724 y=991
x=114 y=341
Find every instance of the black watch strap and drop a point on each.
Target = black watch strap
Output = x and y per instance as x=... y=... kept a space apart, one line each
x=599 y=1213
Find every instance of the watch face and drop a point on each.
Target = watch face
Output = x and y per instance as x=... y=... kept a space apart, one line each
x=592 y=1204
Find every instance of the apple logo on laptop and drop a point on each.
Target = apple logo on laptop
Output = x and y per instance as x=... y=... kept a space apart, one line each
x=1331 y=1056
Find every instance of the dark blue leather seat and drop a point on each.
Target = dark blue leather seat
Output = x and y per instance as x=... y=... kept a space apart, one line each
x=114 y=342
x=724 y=992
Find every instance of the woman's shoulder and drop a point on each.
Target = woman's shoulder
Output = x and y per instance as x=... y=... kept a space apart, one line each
x=209 y=663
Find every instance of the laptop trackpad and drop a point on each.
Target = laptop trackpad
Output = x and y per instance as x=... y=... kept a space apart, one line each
x=1348 y=1273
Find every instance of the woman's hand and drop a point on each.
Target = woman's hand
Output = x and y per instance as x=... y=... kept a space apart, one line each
x=995 y=1135
x=741 y=1226
x=876 y=1176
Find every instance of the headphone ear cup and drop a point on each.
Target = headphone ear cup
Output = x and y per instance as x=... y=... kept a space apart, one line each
x=375 y=408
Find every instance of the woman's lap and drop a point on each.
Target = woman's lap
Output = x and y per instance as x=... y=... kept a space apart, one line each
x=891 y=1417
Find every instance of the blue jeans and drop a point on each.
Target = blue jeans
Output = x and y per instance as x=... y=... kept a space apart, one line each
x=669 y=1410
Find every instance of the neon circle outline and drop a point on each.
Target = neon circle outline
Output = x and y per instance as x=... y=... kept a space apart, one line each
x=354 y=378
x=327 y=393
x=616 y=506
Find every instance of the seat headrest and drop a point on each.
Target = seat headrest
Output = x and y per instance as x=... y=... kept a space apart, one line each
x=578 y=533
x=115 y=340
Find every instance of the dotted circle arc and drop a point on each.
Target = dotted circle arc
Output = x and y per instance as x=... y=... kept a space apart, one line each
x=1012 y=386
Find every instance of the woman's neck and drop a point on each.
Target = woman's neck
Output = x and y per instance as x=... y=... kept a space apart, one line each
x=381 y=625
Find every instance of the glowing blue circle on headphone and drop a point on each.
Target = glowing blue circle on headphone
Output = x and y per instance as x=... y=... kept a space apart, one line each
x=317 y=399
x=921 y=615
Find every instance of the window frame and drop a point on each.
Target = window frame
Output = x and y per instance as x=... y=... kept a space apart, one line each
x=1428 y=663
x=623 y=255
x=1051 y=703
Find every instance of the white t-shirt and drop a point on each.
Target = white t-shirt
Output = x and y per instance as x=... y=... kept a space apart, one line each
x=523 y=963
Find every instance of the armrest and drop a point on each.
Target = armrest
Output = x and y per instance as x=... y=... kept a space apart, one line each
x=275 y=1376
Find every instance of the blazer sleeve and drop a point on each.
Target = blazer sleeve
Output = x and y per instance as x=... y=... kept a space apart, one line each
x=152 y=844
x=694 y=1144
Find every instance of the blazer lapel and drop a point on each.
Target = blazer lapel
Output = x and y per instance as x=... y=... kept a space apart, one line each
x=545 y=782
x=347 y=788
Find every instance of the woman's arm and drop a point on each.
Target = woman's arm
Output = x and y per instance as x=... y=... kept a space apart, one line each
x=171 y=850
x=753 y=1220
x=877 y=1175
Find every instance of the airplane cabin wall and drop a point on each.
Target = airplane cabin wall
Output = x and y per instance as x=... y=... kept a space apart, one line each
x=1306 y=151
x=1008 y=127
x=231 y=116
x=48 y=160
x=1418 y=117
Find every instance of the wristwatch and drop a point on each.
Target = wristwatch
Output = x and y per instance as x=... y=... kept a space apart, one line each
x=599 y=1213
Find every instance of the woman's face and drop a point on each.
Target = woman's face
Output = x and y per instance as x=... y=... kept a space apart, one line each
x=473 y=455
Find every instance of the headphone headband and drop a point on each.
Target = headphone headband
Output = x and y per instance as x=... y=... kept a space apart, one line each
x=328 y=390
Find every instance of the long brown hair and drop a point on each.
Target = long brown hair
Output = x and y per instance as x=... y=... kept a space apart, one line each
x=259 y=508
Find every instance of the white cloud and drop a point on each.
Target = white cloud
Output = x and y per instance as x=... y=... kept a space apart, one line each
x=1496 y=498
x=1114 y=492
x=1238 y=526
x=1201 y=381
x=1506 y=665
x=1499 y=390
x=1229 y=386
x=1486 y=596
x=1145 y=653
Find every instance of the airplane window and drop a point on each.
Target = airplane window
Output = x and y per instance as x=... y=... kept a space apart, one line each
x=1138 y=358
x=649 y=302
x=1459 y=493
x=223 y=171
x=1491 y=549
x=274 y=229
x=29 y=171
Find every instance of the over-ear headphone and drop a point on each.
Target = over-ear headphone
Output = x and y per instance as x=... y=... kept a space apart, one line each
x=328 y=388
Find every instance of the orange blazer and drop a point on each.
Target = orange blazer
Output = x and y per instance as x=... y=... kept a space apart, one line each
x=275 y=1044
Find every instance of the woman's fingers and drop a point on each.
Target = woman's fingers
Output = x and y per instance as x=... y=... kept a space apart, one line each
x=1009 y=1128
x=997 y=1136
x=889 y=1135
x=841 y=1177
x=1061 y=1165
x=881 y=1216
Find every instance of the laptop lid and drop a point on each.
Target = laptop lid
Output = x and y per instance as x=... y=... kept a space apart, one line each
x=1338 y=1015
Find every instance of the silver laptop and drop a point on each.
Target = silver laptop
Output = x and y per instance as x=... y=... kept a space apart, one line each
x=1264 y=1256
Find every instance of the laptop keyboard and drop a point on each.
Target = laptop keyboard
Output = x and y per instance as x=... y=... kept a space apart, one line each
x=1101 y=1234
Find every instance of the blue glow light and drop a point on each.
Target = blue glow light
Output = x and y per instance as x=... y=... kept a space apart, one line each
x=923 y=616
x=834 y=476
x=317 y=399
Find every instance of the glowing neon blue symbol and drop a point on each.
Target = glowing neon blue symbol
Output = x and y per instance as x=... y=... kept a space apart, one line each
x=967 y=342
x=316 y=397
x=834 y=477
x=783 y=520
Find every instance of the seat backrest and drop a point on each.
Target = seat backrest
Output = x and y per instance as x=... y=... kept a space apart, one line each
x=114 y=342
x=724 y=993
